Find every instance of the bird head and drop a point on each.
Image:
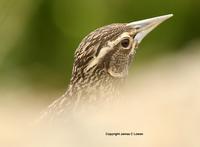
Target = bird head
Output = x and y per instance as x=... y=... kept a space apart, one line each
x=111 y=48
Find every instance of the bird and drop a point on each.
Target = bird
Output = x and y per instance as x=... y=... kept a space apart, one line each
x=101 y=63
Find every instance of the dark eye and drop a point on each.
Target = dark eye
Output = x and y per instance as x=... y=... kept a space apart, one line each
x=125 y=43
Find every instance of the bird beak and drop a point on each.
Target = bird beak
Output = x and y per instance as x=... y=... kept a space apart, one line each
x=143 y=27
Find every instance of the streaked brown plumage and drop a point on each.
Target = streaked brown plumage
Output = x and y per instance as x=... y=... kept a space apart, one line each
x=101 y=64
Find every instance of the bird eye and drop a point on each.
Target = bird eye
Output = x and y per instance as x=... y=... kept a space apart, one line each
x=125 y=43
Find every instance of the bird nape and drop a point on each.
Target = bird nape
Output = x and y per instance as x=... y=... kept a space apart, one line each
x=101 y=64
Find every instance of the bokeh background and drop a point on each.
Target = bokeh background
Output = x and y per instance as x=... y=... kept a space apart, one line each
x=38 y=39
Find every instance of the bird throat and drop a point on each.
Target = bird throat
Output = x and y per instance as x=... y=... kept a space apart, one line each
x=98 y=88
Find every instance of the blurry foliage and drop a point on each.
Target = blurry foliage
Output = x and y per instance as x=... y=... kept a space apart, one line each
x=38 y=37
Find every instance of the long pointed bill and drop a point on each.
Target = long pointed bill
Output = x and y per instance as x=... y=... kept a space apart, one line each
x=143 y=27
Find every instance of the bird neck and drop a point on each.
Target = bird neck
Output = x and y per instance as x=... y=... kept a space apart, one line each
x=96 y=86
x=84 y=89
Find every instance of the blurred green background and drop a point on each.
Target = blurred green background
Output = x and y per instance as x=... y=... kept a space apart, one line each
x=38 y=37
